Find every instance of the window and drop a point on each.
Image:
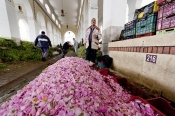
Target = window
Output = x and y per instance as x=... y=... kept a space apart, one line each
x=53 y=17
x=41 y=1
x=56 y=22
x=47 y=8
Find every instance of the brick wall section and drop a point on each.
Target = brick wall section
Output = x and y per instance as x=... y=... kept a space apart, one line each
x=138 y=49
x=154 y=50
x=149 y=49
x=145 y=49
x=141 y=49
x=172 y=50
x=166 y=50
x=160 y=50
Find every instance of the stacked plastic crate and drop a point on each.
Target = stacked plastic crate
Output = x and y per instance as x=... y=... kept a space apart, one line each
x=130 y=30
x=166 y=17
x=146 y=27
x=146 y=20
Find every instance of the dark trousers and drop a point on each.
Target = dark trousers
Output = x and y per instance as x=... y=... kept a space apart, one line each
x=91 y=54
x=44 y=52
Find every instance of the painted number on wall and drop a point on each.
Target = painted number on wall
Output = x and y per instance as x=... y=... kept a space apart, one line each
x=151 y=58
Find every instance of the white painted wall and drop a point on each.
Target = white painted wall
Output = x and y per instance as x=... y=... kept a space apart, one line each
x=10 y=17
x=8 y=20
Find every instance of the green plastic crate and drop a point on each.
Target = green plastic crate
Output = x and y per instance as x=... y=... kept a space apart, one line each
x=151 y=18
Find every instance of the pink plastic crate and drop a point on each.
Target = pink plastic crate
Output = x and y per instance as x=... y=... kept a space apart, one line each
x=168 y=10
x=159 y=24
x=160 y=12
x=172 y=23
x=166 y=23
x=159 y=2
x=173 y=5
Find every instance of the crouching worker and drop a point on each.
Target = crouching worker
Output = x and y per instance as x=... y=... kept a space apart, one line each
x=43 y=43
x=104 y=61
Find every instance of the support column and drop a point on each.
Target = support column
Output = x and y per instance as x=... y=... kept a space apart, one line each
x=132 y=7
x=51 y=37
x=114 y=15
x=93 y=11
x=86 y=19
x=32 y=29
x=8 y=21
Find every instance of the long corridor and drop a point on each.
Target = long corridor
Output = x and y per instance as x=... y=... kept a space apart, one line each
x=87 y=57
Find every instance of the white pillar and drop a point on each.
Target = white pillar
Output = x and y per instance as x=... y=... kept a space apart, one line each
x=86 y=18
x=32 y=28
x=93 y=10
x=132 y=7
x=8 y=21
x=114 y=15
x=50 y=35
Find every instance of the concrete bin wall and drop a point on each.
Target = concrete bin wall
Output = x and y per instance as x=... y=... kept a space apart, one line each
x=129 y=58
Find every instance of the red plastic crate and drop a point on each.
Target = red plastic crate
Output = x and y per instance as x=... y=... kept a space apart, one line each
x=145 y=35
x=104 y=72
x=145 y=102
x=162 y=105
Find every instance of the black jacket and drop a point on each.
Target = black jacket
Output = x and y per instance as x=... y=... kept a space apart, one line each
x=43 y=41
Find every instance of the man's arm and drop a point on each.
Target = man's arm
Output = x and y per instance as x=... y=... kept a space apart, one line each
x=36 y=42
x=50 y=44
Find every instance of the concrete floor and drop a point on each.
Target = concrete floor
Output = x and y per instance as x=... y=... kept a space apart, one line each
x=9 y=87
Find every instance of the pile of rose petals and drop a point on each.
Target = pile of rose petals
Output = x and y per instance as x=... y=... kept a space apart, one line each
x=70 y=88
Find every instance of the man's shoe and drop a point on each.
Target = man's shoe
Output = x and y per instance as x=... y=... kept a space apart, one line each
x=43 y=59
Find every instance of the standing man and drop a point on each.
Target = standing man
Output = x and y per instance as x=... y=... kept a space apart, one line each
x=43 y=43
x=75 y=45
x=92 y=38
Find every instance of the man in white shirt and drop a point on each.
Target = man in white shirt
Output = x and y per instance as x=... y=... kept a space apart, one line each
x=75 y=45
x=93 y=35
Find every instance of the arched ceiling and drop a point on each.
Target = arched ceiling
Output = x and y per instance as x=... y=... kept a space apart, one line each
x=71 y=9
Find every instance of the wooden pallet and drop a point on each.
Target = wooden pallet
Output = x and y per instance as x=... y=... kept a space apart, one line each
x=165 y=31
x=145 y=35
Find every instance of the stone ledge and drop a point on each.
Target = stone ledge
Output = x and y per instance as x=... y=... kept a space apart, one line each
x=146 y=49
